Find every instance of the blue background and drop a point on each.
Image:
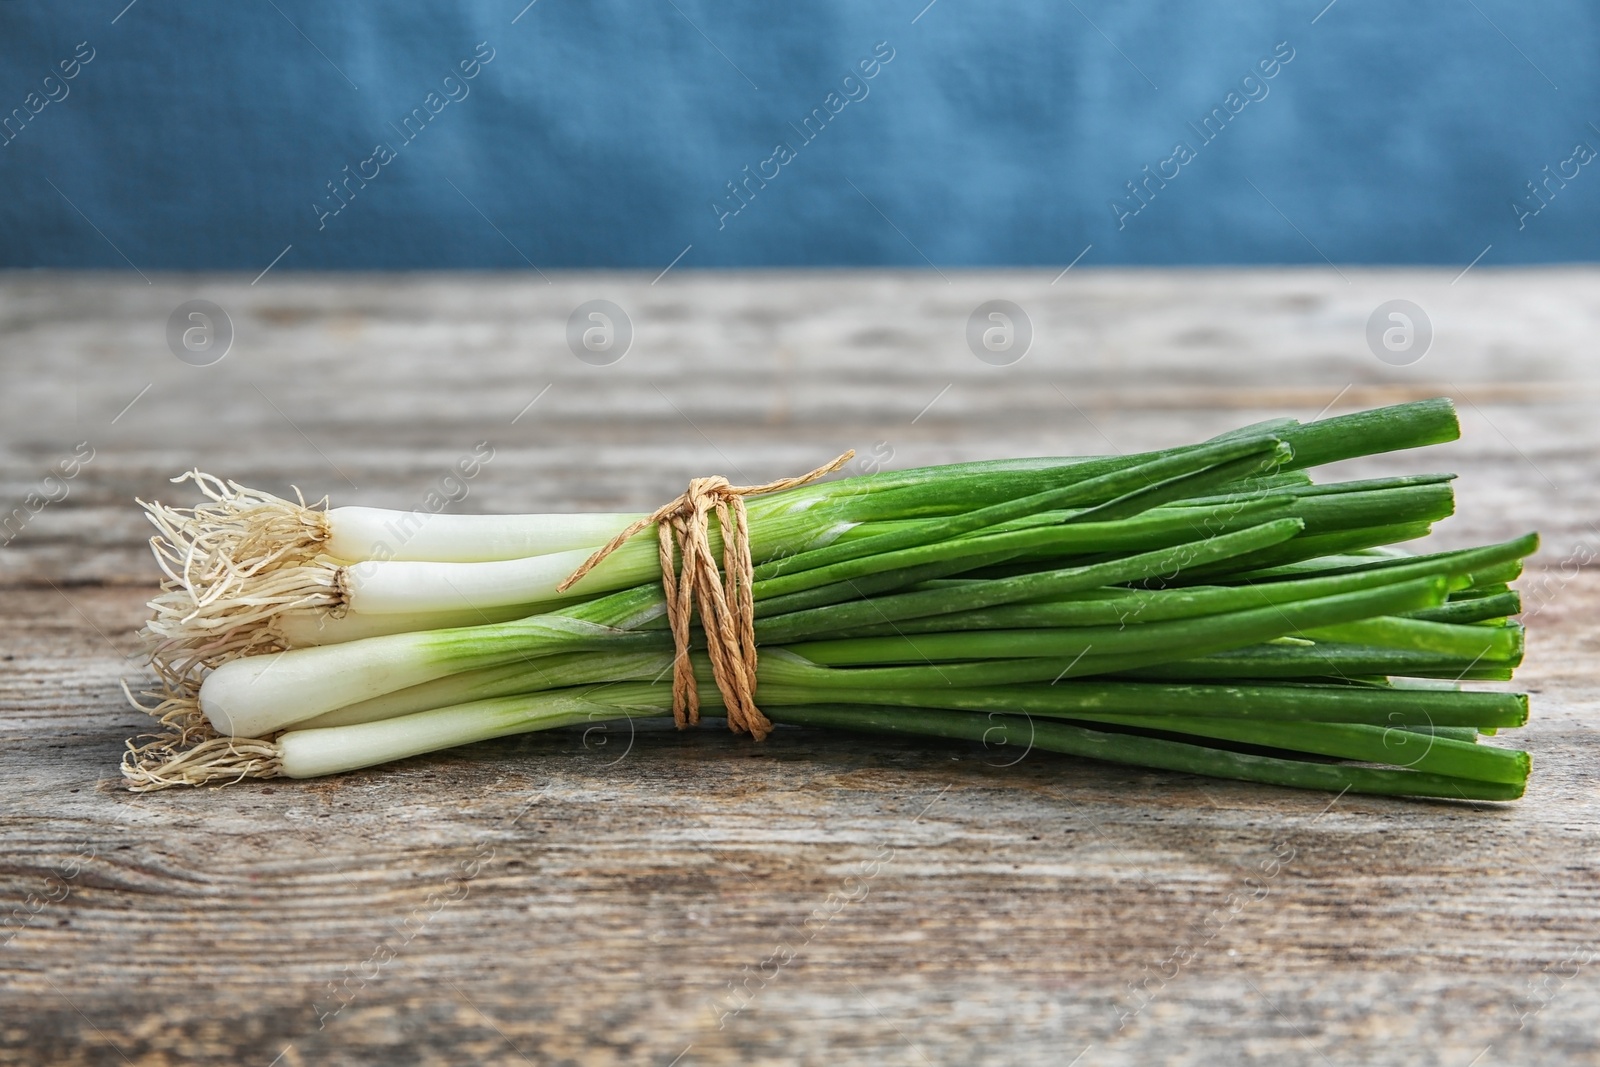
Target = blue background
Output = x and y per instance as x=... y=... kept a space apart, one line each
x=201 y=135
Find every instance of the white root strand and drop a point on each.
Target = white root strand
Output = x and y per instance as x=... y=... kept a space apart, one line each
x=220 y=760
x=231 y=565
x=187 y=635
x=176 y=711
x=188 y=751
x=240 y=533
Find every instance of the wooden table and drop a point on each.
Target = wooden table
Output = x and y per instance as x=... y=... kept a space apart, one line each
x=693 y=898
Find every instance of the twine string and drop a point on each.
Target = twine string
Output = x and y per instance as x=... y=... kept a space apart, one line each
x=722 y=596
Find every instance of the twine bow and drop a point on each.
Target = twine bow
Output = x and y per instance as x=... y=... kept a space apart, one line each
x=722 y=597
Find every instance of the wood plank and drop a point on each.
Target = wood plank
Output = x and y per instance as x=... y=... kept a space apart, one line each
x=589 y=898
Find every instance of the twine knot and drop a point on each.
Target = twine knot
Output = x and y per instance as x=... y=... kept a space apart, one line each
x=722 y=597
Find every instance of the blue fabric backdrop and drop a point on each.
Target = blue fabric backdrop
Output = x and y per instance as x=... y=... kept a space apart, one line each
x=590 y=133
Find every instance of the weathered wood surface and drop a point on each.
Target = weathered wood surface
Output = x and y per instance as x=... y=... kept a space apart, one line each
x=696 y=899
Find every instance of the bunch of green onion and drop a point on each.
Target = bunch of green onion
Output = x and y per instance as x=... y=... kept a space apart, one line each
x=1206 y=609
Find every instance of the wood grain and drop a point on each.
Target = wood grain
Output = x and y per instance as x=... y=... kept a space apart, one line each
x=662 y=897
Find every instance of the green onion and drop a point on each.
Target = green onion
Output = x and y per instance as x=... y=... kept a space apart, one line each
x=1208 y=609
x=1497 y=775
